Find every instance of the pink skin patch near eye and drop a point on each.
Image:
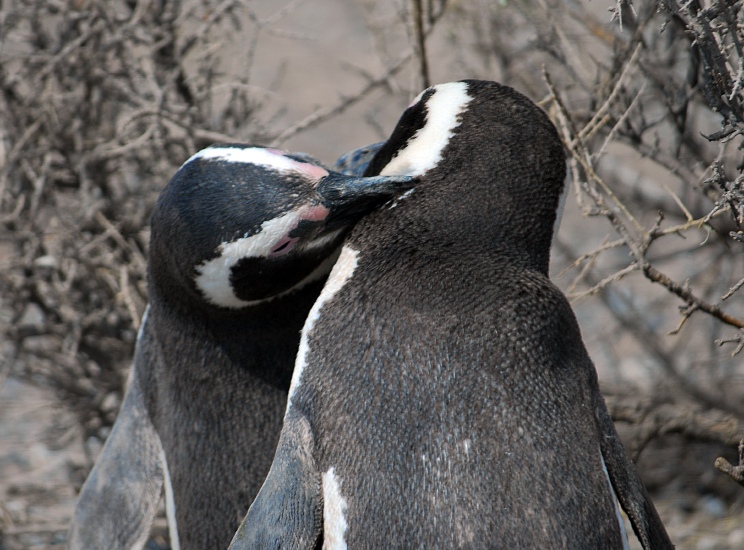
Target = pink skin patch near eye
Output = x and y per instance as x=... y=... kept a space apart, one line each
x=312 y=171
x=314 y=213
x=284 y=245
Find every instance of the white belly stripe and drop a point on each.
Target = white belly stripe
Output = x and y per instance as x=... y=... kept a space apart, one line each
x=617 y=505
x=334 y=513
x=170 y=506
x=341 y=272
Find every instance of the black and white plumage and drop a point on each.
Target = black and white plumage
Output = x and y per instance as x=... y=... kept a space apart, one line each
x=242 y=240
x=356 y=161
x=442 y=396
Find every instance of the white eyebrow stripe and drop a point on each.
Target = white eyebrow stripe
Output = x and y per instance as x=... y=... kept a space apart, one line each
x=424 y=151
x=213 y=276
x=270 y=158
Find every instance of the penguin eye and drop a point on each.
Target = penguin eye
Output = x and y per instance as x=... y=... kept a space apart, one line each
x=283 y=246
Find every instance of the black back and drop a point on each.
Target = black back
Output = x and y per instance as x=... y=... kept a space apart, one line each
x=447 y=389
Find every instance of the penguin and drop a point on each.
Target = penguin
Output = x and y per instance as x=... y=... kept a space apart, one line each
x=242 y=239
x=442 y=395
x=356 y=161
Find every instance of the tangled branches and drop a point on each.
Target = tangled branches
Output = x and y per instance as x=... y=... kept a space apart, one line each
x=100 y=102
x=681 y=86
x=650 y=112
x=716 y=79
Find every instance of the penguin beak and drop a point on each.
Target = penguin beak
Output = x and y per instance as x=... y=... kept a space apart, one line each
x=342 y=192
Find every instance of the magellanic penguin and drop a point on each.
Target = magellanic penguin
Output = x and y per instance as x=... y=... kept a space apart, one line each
x=442 y=395
x=356 y=161
x=242 y=239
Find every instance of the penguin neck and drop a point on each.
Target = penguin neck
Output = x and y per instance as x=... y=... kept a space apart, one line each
x=439 y=226
x=262 y=339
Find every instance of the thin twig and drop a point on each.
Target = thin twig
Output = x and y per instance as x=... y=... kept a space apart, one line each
x=736 y=472
x=419 y=41
x=675 y=288
x=604 y=282
x=596 y=119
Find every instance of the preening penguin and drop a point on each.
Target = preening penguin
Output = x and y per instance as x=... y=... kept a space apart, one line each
x=356 y=161
x=242 y=239
x=442 y=396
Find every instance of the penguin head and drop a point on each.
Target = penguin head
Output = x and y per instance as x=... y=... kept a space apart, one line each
x=490 y=165
x=356 y=161
x=239 y=224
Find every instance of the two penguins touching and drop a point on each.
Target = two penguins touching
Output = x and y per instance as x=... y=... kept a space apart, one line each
x=367 y=357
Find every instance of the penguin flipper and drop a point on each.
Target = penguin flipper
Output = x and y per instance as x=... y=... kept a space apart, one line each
x=118 y=501
x=287 y=512
x=629 y=489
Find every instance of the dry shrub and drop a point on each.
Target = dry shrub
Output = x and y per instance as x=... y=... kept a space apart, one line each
x=650 y=110
x=100 y=103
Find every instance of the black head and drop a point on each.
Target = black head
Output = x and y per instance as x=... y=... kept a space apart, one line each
x=240 y=224
x=356 y=161
x=491 y=170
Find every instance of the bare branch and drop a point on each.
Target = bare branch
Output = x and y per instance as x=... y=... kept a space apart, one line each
x=419 y=41
x=736 y=472
x=651 y=420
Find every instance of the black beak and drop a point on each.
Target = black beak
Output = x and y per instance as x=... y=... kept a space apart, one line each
x=357 y=194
